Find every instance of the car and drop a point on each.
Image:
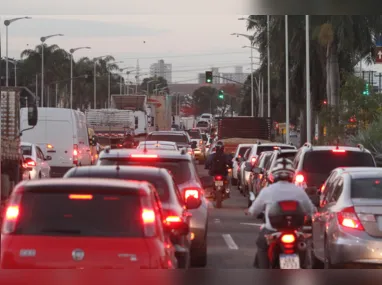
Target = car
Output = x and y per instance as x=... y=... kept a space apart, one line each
x=200 y=149
x=36 y=160
x=175 y=209
x=252 y=156
x=159 y=145
x=62 y=134
x=85 y=223
x=181 y=166
x=347 y=227
x=313 y=164
x=240 y=150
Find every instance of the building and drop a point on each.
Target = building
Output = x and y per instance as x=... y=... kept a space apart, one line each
x=238 y=76
x=161 y=69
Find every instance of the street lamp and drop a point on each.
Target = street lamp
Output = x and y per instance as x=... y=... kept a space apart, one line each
x=251 y=38
x=7 y=23
x=15 y=68
x=109 y=82
x=71 y=72
x=43 y=39
x=95 y=79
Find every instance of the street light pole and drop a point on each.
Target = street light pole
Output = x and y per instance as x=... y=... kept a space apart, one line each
x=43 y=39
x=7 y=23
x=269 y=67
x=287 y=79
x=308 y=108
x=71 y=72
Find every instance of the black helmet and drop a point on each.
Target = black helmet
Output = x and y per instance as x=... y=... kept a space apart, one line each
x=283 y=171
x=219 y=146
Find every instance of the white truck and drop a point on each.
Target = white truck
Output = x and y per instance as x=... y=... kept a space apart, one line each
x=12 y=99
x=110 y=125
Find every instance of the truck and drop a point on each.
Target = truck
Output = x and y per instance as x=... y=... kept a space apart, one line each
x=236 y=130
x=12 y=100
x=110 y=125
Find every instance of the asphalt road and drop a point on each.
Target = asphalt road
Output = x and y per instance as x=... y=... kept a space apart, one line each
x=231 y=234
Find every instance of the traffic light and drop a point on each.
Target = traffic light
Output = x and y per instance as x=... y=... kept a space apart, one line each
x=366 y=90
x=221 y=94
x=208 y=76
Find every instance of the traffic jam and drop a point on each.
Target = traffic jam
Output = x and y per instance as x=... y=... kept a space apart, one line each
x=140 y=202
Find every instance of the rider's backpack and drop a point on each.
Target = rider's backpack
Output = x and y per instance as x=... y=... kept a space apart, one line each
x=218 y=164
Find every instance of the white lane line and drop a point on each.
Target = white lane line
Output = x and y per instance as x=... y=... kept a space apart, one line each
x=230 y=242
x=251 y=224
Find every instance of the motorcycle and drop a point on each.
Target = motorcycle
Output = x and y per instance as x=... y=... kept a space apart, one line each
x=221 y=190
x=287 y=246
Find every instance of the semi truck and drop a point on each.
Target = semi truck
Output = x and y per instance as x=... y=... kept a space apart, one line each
x=12 y=100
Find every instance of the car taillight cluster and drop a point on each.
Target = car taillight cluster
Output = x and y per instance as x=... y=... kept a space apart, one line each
x=148 y=221
x=288 y=242
x=75 y=154
x=218 y=178
x=12 y=214
x=349 y=219
x=28 y=162
x=253 y=159
x=191 y=193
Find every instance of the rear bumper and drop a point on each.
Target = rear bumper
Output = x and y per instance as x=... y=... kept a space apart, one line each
x=58 y=171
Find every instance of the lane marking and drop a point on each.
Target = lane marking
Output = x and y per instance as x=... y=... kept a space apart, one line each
x=251 y=224
x=230 y=242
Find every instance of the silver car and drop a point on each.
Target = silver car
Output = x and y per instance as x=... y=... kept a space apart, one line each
x=347 y=229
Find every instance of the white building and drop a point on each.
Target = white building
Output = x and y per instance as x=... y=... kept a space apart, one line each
x=161 y=69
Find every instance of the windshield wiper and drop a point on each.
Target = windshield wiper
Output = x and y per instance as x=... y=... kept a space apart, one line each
x=61 y=231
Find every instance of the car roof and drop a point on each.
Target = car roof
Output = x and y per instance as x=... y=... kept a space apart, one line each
x=331 y=147
x=171 y=133
x=287 y=150
x=365 y=174
x=93 y=184
x=126 y=153
x=26 y=144
x=157 y=142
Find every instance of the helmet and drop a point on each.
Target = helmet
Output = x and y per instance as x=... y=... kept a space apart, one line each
x=283 y=170
x=219 y=146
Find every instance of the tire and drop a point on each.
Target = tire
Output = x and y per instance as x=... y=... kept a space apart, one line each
x=219 y=199
x=199 y=258
x=234 y=181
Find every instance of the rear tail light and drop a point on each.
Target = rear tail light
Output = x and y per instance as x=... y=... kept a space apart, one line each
x=80 y=197
x=12 y=214
x=218 y=177
x=148 y=221
x=288 y=238
x=49 y=146
x=31 y=163
x=119 y=145
x=173 y=219
x=144 y=156
x=288 y=205
x=75 y=154
x=349 y=219
x=191 y=193
x=253 y=160
x=299 y=178
x=200 y=142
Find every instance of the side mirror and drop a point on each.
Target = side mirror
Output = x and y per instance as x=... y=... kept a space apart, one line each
x=48 y=157
x=193 y=203
x=194 y=145
x=32 y=115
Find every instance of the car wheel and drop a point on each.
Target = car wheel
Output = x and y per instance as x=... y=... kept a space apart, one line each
x=199 y=256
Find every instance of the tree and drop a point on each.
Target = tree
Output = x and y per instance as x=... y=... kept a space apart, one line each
x=149 y=84
x=204 y=100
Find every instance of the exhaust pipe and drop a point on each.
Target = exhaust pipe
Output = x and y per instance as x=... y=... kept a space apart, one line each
x=301 y=246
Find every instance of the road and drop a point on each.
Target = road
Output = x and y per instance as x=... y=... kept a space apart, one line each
x=231 y=234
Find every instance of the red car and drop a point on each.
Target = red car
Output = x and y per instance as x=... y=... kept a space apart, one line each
x=83 y=223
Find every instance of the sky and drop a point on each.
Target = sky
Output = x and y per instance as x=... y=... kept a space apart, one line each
x=191 y=43
x=192 y=36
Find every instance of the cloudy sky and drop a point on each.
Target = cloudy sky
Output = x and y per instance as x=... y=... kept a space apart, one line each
x=192 y=36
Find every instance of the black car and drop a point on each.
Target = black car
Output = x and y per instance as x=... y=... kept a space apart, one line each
x=174 y=208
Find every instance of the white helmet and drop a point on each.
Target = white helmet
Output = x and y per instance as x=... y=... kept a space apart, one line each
x=283 y=170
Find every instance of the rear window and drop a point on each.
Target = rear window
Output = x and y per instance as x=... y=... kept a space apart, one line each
x=325 y=161
x=160 y=147
x=242 y=150
x=262 y=148
x=202 y=124
x=180 y=170
x=169 y=138
x=26 y=150
x=194 y=134
x=287 y=155
x=105 y=215
x=204 y=137
x=367 y=188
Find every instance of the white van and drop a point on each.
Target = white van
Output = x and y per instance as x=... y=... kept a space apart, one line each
x=62 y=134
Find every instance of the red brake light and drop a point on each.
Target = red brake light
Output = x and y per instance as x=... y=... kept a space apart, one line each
x=12 y=213
x=218 y=177
x=339 y=150
x=191 y=193
x=148 y=216
x=299 y=178
x=80 y=197
x=288 y=238
x=288 y=205
x=253 y=160
x=75 y=154
x=31 y=163
x=349 y=219
x=144 y=156
x=173 y=219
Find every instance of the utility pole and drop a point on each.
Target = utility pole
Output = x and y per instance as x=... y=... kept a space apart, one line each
x=379 y=82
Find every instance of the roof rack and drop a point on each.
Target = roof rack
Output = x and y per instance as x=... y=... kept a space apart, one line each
x=361 y=147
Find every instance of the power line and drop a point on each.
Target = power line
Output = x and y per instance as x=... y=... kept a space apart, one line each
x=184 y=55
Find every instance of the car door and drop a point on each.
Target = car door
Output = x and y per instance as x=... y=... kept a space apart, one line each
x=323 y=216
x=44 y=165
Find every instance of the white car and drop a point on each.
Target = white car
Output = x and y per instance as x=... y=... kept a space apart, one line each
x=35 y=159
x=158 y=145
x=240 y=151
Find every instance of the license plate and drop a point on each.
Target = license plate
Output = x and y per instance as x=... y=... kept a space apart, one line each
x=219 y=183
x=289 y=261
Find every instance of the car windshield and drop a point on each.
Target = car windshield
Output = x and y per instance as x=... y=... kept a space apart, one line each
x=180 y=170
x=104 y=215
x=367 y=188
x=325 y=161
x=26 y=150
x=194 y=135
x=202 y=124
x=169 y=138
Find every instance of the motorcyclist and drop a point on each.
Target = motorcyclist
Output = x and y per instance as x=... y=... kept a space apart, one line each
x=219 y=162
x=128 y=141
x=282 y=189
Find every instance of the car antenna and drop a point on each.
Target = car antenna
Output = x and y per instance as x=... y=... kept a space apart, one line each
x=117 y=167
